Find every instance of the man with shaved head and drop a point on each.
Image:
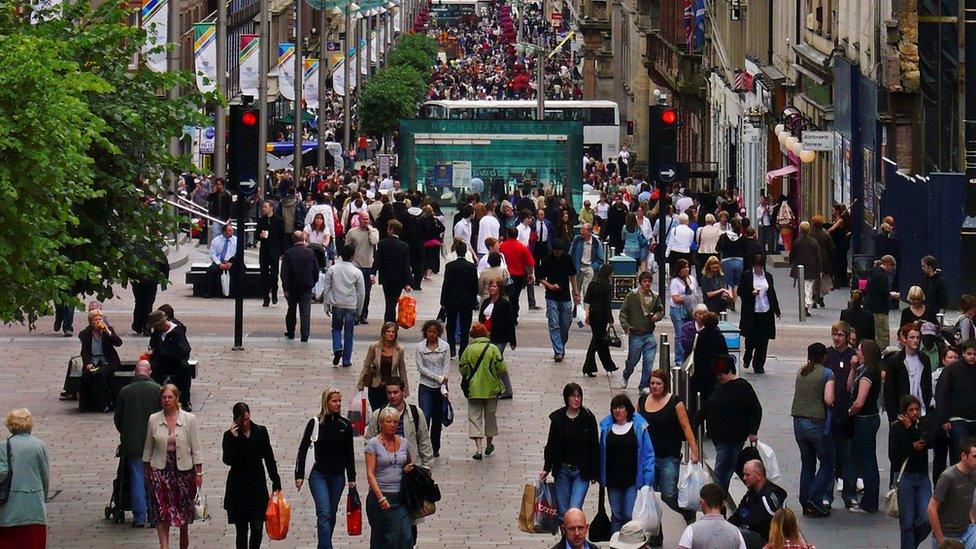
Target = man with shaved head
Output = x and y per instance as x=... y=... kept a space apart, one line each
x=136 y=402
x=756 y=510
x=575 y=528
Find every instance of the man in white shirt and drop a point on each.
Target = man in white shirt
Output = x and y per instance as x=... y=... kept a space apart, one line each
x=525 y=230
x=222 y=252
x=462 y=229
x=492 y=246
x=488 y=227
x=680 y=241
x=387 y=183
x=711 y=531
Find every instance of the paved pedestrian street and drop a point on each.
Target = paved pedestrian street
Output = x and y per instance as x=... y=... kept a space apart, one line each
x=282 y=382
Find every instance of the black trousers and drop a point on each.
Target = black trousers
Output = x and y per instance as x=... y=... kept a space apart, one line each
x=214 y=288
x=178 y=375
x=598 y=346
x=515 y=292
x=242 y=539
x=458 y=318
x=94 y=391
x=367 y=272
x=301 y=300
x=269 y=274
x=417 y=266
x=390 y=295
x=144 y=294
x=755 y=354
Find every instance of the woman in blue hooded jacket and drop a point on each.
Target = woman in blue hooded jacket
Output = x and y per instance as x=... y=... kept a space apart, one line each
x=626 y=458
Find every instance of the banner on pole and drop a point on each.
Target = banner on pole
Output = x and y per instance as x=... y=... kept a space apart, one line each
x=154 y=18
x=364 y=69
x=249 y=69
x=286 y=70
x=339 y=73
x=205 y=56
x=310 y=84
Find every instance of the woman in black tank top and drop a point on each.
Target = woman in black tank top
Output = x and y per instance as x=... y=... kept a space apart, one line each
x=668 y=425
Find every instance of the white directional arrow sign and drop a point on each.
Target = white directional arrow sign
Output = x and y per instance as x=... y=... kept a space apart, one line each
x=667 y=173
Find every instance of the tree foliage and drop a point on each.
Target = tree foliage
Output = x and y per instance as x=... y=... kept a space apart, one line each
x=415 y=59
x=419 y=42
x=83 y=144
x=391 y=94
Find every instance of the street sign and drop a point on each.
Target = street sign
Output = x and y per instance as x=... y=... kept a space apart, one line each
x=818 y=141
x=667 y=173
x=332 y=46
x=750 y=134
x=249 y=186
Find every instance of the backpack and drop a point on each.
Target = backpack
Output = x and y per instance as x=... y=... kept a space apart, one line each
x=953 y=334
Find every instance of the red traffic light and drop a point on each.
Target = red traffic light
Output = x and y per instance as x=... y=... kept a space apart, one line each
x=669 y=116
x=249 y=118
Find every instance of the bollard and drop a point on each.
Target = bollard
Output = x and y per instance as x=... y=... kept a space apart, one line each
x=800 y=294
x=941 y=318
x=723 y=316
x=700 y=431
x=665 y=363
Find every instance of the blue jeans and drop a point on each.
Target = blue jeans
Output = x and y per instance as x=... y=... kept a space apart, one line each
x=621 y=505
x=865 y=452
x=843 y=465
x=137 y=489
x=726 y=457
x=326 y=491
x=638 y=347
x=914 y=494
x=666 y=470
x=431 y=401
x=570 y=489
x=968 y=538
x=343 y=319
x=677 y=315
x=813 y=447
x=959 y=431
x=560 y=316
x=732 y=267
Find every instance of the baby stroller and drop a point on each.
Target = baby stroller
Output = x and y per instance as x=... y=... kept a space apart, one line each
x=861 y=266
x=121 y=500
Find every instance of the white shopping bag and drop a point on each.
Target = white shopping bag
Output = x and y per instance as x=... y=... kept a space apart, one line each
x=225 y=282
x=319 y=287
x=690 y=484
x=769 y=460
x=647 y=510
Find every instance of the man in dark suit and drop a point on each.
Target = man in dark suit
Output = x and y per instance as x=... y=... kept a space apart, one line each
x=459 y=295
x=144 y=289
x=299 y=273
x=392 y=264
x=270 y=232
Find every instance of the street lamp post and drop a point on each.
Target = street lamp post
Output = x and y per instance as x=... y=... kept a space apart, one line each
x=264 y=32
x=297 y=110
x=540 y=61
x=323 y=63
x=346 y=104
x=220 y=116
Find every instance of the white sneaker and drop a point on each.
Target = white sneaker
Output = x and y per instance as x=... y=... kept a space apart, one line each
x=839 y=485
x=623 y=383
x=860 y=485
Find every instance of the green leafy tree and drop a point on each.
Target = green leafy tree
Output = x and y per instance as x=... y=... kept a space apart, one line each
x=415 y=59
x=391 y=94
x=419 y=42
x=84 y=145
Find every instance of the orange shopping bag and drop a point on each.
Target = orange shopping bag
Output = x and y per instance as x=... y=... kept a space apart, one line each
x=277 y=517
x=406 y=312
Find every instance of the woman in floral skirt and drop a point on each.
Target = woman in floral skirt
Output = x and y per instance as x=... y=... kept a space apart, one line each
x=173 y=467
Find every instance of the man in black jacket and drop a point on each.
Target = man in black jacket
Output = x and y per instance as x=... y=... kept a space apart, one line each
x=933 y=285
x=169 y=355
x=572 y=452
x=299 y=273
x=459 y=295
x=144 y=289
x=908 y=372
x=218 y=205
x=270 y=232
x=756 y=509
x=135 y=403
x=392 y=262
x=877 y=297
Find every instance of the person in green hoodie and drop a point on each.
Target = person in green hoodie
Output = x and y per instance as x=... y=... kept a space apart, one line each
x=481 y=366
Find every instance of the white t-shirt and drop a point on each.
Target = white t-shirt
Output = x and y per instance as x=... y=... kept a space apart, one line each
x=487 y=227
x=677 y=286
x=602 y=209
x=682 y=238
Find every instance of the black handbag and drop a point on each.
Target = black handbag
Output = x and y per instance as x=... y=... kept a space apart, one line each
x=5 y=485
x=611 y=338
x=600 y=528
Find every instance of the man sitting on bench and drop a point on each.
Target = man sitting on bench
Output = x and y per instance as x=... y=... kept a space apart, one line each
x=222 y=252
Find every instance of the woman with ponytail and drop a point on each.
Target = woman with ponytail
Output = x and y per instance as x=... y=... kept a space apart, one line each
x=812 y=398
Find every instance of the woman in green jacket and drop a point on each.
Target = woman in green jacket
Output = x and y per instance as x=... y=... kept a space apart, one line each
x=23 y=518
x=482 y=365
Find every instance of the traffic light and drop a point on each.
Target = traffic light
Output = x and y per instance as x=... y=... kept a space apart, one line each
x=663 y=144
x=244 y=150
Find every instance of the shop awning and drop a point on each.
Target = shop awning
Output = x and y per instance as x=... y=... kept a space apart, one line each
x=786 y=170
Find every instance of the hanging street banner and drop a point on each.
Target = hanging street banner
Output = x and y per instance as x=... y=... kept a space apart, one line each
x=339 y=73
x=310 y=84
x=397 y=19
x=154 y=17
x=250 y=55
x=205 y=56
x=286 y=70
x=364 y=69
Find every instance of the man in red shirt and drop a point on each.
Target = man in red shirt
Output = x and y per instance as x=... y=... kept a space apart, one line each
x=520 y=266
